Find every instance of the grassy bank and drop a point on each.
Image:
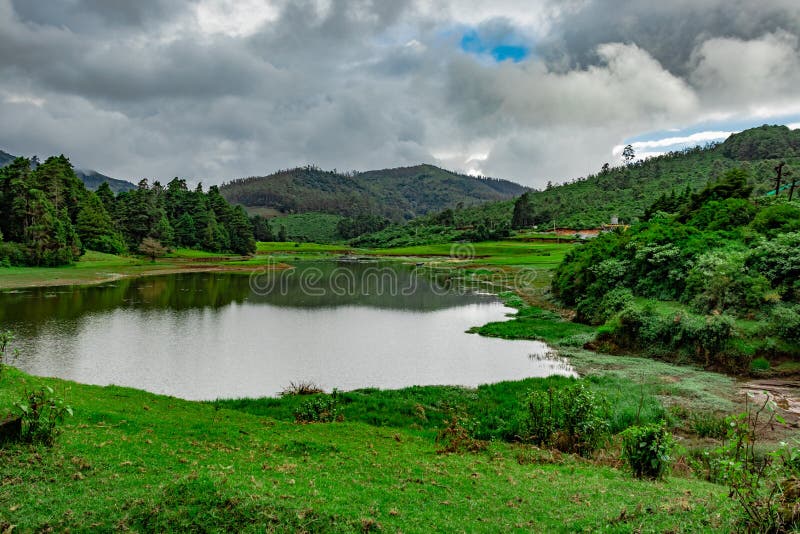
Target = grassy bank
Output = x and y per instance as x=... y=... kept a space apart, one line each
x=96 y=267
x=129 y=459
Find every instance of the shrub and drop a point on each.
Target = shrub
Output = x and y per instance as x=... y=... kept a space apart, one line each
x=714 y=334
x=709 y=425
x=785 y=322
x=759 y=364
x=5 y=352
x=647 y=449
x=720 y=281
x=765 y=486
x=301 y=388
x=571 y=419
x=11 y=254
x=777 y=219
x=41 y=412
x=320 y=409
x=457 y=436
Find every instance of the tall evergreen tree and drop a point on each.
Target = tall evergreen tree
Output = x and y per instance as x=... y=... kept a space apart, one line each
x=96 y=229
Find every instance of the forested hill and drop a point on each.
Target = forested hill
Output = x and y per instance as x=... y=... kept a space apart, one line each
x=91 y=179
x=627 y=191
x=398 y=194
x=5 y=158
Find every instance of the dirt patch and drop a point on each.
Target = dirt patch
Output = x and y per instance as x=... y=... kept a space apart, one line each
x=785 y=392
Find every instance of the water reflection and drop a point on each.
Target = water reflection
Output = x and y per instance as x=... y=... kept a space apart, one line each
x=202 y=336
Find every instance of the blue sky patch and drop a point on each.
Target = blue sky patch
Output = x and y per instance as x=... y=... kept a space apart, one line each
x=659 y=142
x=500 y=50
x=733 y=125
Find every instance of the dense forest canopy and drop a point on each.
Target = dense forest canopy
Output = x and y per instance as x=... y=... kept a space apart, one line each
x=49 y=217
x=395 y=194
x=694 y=277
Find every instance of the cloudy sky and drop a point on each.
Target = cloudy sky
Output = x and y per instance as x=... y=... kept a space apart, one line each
x=531 y=90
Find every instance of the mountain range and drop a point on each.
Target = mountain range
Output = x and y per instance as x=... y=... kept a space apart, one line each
x=397 y=194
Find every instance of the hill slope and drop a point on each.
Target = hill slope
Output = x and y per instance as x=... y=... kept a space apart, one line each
x=628 y=191
x=5 y=158
x=398 y=194
x=93 y=179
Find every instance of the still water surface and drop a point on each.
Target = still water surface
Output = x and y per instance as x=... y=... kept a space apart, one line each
x=210 y=335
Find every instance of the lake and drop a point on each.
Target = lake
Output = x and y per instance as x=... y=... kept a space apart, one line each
x=202 y=336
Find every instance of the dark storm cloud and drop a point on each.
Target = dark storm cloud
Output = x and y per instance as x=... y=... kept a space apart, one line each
x=96 y=15
x=217 y=89
x=668 y=30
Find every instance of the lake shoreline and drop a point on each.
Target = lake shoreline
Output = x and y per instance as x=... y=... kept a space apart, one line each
x=79 y=275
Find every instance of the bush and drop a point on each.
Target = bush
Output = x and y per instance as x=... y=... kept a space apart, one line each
x=714 y=334
x=571 y=419
x=785 y=323
x=709 y=425
x=301 y=388
x=5 y=351
x=764 y=485
x=320 y=409
x=110 y=244
x=759 y=364
x=41 y=412
x=456 y=436
x=647 y=449
x=11 y=254
x=720 y=281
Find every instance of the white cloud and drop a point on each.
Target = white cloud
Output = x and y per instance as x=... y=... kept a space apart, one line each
x=759 y=73
x=641 y=147
x=31 y=100
x=235 y=18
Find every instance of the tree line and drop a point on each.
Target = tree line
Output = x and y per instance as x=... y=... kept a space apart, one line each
x=48 y=217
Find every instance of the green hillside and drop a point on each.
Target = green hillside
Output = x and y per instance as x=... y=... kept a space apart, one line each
x=92 y=180
x=627 y=191
x=398 y=194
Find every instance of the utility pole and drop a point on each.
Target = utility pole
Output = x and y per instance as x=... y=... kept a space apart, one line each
x=779 y=177
x=794 y=184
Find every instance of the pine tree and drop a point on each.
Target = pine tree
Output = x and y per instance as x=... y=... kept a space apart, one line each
x=95 y=228
x=106 y=196
x=523 y=212
x=185 y=231
x=241 y=232
x=163 y=232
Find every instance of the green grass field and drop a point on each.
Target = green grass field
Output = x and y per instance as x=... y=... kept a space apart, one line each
x=132 y=460
x=495 y=253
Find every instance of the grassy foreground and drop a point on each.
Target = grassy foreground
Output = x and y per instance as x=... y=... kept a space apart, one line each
x=132 y=460
x=129 y=459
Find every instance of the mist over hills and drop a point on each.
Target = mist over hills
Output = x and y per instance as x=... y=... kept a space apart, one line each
x=92 y=179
